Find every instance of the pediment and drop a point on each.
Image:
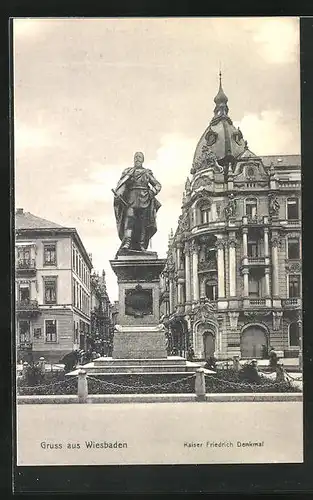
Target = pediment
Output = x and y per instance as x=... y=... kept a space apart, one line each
x=250 y=171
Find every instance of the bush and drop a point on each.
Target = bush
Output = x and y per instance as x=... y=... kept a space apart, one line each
x=56 y=383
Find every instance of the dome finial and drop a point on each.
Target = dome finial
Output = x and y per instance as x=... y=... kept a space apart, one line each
x=221 y=99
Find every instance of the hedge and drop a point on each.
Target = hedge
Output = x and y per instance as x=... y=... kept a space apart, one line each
x=223 y=381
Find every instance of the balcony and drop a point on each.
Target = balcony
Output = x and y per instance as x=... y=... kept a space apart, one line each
x=25 y=346
x=26 y=266
x=27 y=307
x=256 y=303
x=292 y=303
x=255 y=220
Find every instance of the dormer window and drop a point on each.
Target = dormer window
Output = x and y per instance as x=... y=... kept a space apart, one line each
x=251 y=207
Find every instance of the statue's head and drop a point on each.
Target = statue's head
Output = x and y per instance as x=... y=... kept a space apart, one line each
x=138 y=159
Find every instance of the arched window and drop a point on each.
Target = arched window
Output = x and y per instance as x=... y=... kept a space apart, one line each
x=205 y=213
x=294 y=335
x=251 y=207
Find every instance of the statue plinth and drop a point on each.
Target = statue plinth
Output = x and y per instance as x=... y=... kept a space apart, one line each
x=139 y=334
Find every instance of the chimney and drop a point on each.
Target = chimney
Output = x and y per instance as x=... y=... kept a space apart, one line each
x=19 y=211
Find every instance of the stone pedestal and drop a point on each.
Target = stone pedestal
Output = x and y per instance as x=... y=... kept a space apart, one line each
x=139 y=334
x=139 y=343
x=144 y=342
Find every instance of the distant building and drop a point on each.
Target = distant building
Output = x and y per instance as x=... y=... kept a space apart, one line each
x=102 y=316
x=232 y=281
x=52 y=288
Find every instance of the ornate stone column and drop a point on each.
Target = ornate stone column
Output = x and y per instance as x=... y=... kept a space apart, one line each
x=245 y=273
x=202 y=288
x=220 y=269
x=178 y=255
x=266 y=247
x=232 y=264
x=187 y=276
x=275 y=284
x=195 y=276
x=267 y=282
x=245 y=241
x=171 y=291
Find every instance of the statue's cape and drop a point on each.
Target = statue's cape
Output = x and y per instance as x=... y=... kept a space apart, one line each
x=120 y=208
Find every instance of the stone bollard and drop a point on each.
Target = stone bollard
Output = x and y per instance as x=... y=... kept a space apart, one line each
x=200 y=384
x=42 y=365
x=82 y=386
x=236 y=363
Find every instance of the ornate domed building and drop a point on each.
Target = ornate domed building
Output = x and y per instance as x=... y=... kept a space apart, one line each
x=232 y=281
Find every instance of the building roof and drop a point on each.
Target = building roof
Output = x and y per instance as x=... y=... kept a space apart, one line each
x=28 y=224
x=284 y=161
x=26 y=220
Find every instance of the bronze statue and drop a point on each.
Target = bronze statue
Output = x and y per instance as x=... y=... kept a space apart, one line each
x=135 y=206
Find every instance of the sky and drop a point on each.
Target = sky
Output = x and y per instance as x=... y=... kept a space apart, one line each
x=89 y=93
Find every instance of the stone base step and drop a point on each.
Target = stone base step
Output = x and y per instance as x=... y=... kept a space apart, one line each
x=173 y=364
x=173 y=360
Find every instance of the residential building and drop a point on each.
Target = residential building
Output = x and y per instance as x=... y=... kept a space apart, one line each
x=52 y=288
x=102 y=315
x=232 y=281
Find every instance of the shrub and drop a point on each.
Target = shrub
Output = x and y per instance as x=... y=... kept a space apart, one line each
x=56 y=383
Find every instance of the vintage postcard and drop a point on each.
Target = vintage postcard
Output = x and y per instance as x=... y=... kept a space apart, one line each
x=158 y=256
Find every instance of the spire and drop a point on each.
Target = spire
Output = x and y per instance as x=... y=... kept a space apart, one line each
x=221 y=99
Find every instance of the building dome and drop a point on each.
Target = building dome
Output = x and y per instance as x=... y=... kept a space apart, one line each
x=221 y=139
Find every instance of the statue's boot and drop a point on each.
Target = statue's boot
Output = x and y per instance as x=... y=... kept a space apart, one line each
x=127 y=239
x=126 y=243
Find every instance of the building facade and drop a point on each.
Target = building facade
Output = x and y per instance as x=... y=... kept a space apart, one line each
x=232 y=281
x=102 y=316
x=52 y=288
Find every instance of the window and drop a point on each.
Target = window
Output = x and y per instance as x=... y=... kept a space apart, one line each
x=211 y=291
x=50 y=256
x=24 y=331
x=73 y=258
x=23 y=255
x=75 y=333
x=254 y=287
x=293 y=248
x=76 y=266
x=294 y=335
x=292 y=209
x=252 y=249
x=74 y=293
x=51 y=330
x=294 y=285
x=50 y=289
x=24 y=293
x=210 y=253
x=205 y=214
x=251 y=207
